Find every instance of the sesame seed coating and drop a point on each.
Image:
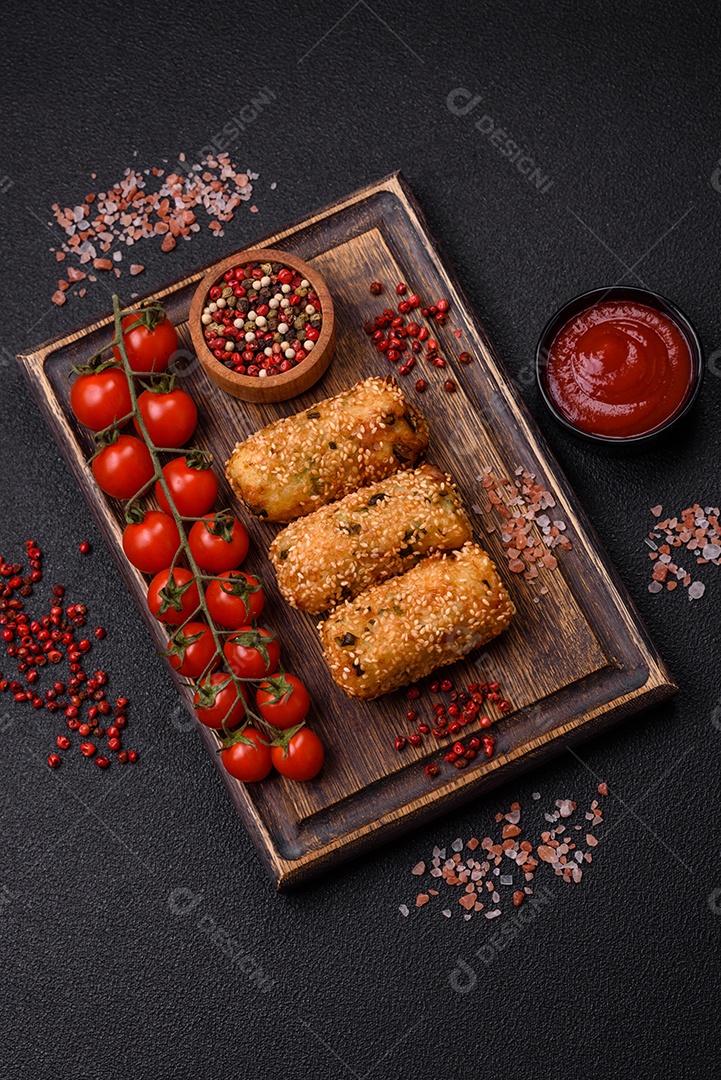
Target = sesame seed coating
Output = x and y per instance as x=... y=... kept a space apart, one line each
x=398 y=632
x=368 y=536
x=299 y=463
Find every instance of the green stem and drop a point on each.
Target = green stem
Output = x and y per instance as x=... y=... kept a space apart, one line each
x=184 y=545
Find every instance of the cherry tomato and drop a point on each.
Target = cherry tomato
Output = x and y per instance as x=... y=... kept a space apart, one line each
x=151 y=543
x=186 y=597
x=283 y=701
x=304 y=757
x=235 y=602
x=124 y=467
x=248 y=762
x=252 y=653
x=170 y=418
x=227 y=704
x=198 y=658
x=100 y=398
x=151 y=344
x=193 y=490
x=211 y=550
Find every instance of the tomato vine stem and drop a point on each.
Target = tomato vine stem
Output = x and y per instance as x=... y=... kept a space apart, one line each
x=184 y=546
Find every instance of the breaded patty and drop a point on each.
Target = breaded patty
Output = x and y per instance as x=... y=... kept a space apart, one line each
x=370 y=535
x=406 y=628
x=299 y=463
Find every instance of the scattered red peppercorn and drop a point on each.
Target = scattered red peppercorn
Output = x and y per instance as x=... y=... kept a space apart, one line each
x=399 y=743
x=84 y=548
x=432 y=771
x=54 y=761
x=132 y=756
x=63 y=742
x=99 y=632
x=401 y=288
x=413 y=693
x=449 y=386
x=376 y=288
x=421 y=386
x=102 y=762
x=465 y=358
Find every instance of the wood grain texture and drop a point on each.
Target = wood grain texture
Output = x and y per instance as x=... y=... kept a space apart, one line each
x=571 y=664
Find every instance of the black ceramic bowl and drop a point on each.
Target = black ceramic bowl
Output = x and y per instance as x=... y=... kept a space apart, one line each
x=642 y=296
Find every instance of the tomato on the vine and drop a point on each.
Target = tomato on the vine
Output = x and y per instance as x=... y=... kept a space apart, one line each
x=252 y=653
x=283 y=701
x=191 y=651
x=219 y=542
x=213 y=705
x=302 y=759
x=236 y=601
x=152 y=341
x=100 y=398
x=194 y=488
x=151 y=544
x=248 y=761
x=124 y=467
x=173 y=601
x=169 y=416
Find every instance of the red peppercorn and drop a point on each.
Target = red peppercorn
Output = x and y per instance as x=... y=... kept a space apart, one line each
x=99 y=632
x=421 y=385
x=465 y=358
x=415 y=740
x=449 y=386
x=84 y=729
x=121 y=702
x=84 y=548
x=375 y=287
x=494 y=687
x=446 y=686
x=73 y=725
x=63 y=742
x=113 y=732
x=424 y=729
x=399 y=743
x=454 y=728
x=450 y=758
x=413 y=693
x=401 y=288
x=432 y=771
x=485 y=721
x=54 y=761
x=474 y=743
x=113 y=744
x=414 y=300
x=87 y=749
x=411 y=716
x=102 y=762
x=442 y=305
x=123 y=757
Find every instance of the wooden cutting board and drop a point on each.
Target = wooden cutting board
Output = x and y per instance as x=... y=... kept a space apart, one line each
x=577 y=657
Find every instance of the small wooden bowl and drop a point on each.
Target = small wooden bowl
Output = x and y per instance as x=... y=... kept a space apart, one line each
x=276 y=387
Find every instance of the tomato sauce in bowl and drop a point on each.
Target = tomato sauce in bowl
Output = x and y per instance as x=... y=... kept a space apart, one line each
x=619 y=364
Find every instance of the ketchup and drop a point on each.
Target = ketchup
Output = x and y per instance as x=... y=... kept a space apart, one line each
x=619 y=368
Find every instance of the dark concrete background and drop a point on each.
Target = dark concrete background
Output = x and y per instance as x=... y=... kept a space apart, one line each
x=103 y=974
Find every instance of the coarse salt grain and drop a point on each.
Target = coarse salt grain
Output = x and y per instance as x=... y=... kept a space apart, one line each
x=150 y=203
